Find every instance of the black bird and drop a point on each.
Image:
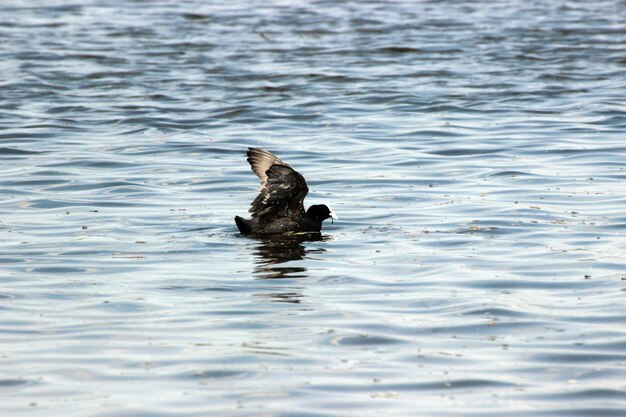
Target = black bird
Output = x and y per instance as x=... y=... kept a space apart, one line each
x=279 y=206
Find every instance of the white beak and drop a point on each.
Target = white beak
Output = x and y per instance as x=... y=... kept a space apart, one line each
x=333 y=216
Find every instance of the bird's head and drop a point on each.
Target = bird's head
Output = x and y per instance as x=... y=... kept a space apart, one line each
x=321 y=212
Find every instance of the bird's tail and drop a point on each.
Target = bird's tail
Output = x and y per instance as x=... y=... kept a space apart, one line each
x=242 y=225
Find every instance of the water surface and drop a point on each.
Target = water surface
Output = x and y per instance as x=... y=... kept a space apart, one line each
x=474 y=151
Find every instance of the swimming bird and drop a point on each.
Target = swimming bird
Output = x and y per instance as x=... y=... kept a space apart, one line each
x=279 y=206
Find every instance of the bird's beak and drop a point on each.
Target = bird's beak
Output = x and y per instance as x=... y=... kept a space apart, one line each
x=333 y=217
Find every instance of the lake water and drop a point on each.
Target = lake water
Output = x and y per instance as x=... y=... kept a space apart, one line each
x=475 y=152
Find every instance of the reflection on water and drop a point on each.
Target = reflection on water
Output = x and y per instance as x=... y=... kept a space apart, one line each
x=271 y=252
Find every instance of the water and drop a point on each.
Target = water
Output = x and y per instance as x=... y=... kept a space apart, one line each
x=475 y=153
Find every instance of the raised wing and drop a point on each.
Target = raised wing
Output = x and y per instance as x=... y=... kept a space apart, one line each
x=283 y=193
x=260 y=161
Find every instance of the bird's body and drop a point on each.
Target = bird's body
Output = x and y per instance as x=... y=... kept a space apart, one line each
x=277 y=225
x=279 y=206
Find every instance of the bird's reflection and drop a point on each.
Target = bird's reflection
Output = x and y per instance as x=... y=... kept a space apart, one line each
x=272 y=252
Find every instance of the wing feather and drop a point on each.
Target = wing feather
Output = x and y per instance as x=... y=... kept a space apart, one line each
x=260 y=161
x=282 y=188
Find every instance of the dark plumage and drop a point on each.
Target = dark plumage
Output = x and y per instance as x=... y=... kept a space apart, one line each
x=279 y=206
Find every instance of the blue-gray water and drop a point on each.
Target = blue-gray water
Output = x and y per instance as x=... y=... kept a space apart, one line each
x=474 y=151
